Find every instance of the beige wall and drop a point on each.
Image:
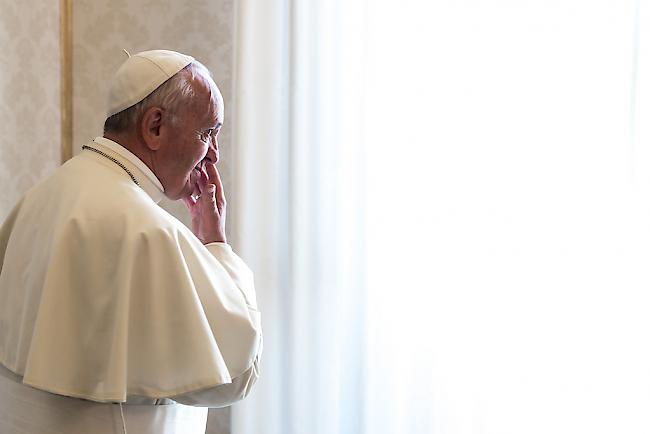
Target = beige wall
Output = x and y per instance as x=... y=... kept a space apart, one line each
x=29 y=96
x=102 y=28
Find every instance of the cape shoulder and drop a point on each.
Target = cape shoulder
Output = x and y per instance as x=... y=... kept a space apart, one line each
x=103 y=294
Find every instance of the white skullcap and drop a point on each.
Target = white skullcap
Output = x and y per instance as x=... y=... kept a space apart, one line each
x=140 y=75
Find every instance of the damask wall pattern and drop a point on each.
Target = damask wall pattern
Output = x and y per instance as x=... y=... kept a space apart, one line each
x=102 y=28
x=30 y=75
x=30 y=125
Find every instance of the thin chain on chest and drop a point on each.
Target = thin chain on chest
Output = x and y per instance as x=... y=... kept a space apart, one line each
x=119 y=163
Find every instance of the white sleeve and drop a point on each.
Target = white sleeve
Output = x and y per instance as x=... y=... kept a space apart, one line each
x=227 y=394
x=237 y=269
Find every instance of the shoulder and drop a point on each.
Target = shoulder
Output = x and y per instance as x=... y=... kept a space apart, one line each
x=88 y=200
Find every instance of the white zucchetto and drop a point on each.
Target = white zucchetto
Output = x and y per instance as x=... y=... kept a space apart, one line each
x=140 y=75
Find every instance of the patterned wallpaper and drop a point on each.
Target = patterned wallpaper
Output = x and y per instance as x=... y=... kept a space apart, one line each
x=30 y=126
x=30 y=122
x=102 y=28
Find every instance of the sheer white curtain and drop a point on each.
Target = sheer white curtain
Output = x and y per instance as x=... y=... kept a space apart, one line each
x=447 y=205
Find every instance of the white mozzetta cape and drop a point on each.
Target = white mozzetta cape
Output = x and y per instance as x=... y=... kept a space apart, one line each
x=105 y=295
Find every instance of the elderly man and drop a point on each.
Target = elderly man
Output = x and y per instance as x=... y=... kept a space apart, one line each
x=107 y=299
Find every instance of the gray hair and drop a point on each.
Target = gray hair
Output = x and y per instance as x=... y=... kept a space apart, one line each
x=171 y=95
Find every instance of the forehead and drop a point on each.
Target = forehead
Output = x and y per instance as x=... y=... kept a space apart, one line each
x=216 y=103
x=208 y=101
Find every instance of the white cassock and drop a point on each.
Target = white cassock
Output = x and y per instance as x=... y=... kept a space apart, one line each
x=106 y=298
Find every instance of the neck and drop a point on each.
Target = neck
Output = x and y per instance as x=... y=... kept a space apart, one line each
x=135 y=146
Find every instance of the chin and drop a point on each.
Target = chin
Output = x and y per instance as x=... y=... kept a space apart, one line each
x=175 y=196
x=178 y=192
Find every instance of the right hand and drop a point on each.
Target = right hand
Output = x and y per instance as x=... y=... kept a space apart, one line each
x=209 y=210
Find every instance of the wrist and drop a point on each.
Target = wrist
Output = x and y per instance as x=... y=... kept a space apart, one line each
x=215 y=238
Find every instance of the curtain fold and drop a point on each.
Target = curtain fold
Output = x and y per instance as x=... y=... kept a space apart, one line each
x=298 y=205
x=259 y=201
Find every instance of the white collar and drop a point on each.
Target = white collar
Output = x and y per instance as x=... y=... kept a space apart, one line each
x=147 y=179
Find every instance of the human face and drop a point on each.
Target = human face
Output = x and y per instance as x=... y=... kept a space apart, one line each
x=193 y=141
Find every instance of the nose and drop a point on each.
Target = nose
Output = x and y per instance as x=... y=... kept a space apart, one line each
x=212 y=155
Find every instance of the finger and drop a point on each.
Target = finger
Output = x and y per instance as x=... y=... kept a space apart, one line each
x=215 y=178
x=195 y=213
x=211 y=171
x=189 y=202
x=209 y=199
x=203 y=181
x=196 y=224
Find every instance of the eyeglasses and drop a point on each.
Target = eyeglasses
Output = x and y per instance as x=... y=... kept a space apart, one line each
x=207 y=135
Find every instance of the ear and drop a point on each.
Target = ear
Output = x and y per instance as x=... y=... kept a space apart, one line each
x=150 y=126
